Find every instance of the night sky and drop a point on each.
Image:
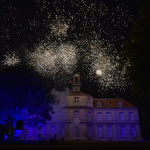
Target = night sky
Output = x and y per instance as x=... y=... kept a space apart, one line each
x=59 y=38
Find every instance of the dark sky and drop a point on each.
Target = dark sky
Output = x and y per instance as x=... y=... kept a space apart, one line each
x=18 y=16
x=25 y=23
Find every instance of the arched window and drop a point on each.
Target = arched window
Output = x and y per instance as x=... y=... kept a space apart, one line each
x=119 y=104
x=98 y=104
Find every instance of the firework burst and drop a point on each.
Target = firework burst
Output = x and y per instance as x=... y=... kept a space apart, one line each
x=103 y=67
x=53 y=59
x=59 y=28
x=11 y=60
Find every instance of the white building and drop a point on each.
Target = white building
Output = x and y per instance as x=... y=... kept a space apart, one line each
x=80 y=117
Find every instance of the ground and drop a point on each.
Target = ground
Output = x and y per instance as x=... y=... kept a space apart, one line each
x=71 y=145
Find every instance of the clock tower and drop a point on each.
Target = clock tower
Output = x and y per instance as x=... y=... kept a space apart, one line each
x=76 y=83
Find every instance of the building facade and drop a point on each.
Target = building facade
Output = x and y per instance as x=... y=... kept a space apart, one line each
x=80 y=117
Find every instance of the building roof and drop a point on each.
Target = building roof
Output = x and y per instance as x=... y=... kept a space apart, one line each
x=78 y=93
x=112 y=103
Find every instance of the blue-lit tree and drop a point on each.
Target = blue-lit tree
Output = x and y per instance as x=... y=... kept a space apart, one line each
x=23 y=96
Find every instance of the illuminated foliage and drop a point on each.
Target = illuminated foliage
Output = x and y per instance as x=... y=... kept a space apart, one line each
x=23 y=97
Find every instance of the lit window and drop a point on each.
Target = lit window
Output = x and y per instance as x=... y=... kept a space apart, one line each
x=16 y=133
x=123 y=131
x=133 y=132
x=108 y=116
x=99 y=116
x=44 y=130
x=90 y=131
x=89 y=115
x=119 y=104
x=121 y=116
x=76 y=114
x=77 y=131
x=76 y=100
x=109 y=131
x=100 y=131
x=98 y=104
x=63 y=131
x=88 y=101
x=30 y=131
x=52 y=129
x=63 y=116
x=131 y=116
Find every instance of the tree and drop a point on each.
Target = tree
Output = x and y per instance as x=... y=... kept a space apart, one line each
x=23 y=96
x=137 y=51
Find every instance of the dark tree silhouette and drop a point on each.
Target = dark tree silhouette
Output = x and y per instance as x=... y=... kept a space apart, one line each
x=137 y=50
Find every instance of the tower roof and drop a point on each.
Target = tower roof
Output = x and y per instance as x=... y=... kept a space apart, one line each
x=76 y=75
x=78 y=93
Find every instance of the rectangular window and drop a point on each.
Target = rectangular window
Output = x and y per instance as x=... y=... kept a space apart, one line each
x=99 y=116
x=44 y=130
x=76 y=114
x=16 y=133
x=30 y=131
x=52 y=129
x=131 y=116
x=108 y=116
x=76 y=100
x=63 y=131
x=123 y=131
x=109 y=130
x=89 y=115
x=77 y=132
x=90 y=131
x=100 y=131
x=88 y=101
x=133 y=131
x=121 y=116
x=63 y=115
